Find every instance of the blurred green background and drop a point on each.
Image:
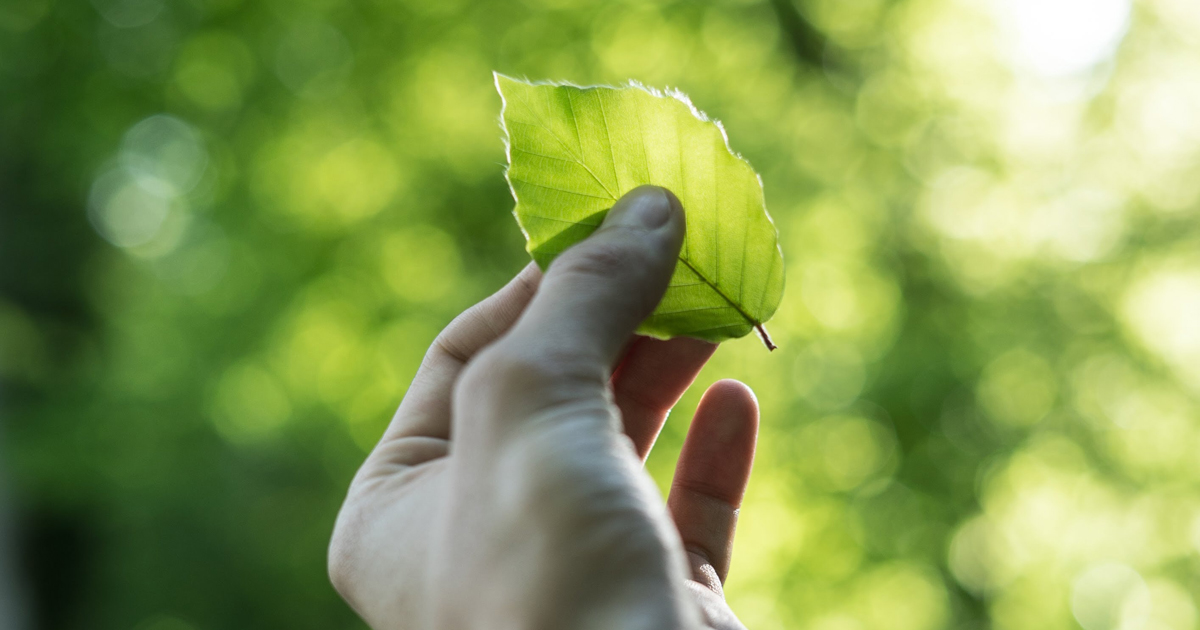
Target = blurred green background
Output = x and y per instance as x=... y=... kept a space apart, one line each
x=229 y=229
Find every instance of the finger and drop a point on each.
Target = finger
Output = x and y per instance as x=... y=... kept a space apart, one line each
x=651 y=380
x=425 y=410
x=711 y=476
x=592 y=298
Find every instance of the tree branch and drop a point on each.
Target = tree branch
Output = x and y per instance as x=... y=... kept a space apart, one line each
x=807 y=42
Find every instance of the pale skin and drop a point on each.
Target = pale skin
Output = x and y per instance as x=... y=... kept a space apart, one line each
x=508 y=491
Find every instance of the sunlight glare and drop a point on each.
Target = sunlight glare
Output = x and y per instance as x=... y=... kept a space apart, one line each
x=1057 y=39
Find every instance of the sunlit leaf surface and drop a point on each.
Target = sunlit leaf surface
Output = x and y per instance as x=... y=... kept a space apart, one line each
x=574 y=151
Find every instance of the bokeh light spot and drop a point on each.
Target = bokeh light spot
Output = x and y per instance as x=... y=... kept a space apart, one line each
x=1110 y=596
x=143 y=51
x=17 y=16
x=164 y=153
x=639 y=44
x=1162 y=310
x=1018 y=388
x=357 y=179
x=249 y=403
x=421 y=263
x=973 y=558
x=313 y=60
x=126 y=211
x=828 y=374
x=213 y=70
x=903 y=596
x=847 y=451
x=128 y=13
x=736 y=38
x=448 y=104
x=1171 y=606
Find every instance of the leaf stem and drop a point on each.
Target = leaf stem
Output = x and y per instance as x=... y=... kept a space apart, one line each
x=766 y=339
x=762 y=330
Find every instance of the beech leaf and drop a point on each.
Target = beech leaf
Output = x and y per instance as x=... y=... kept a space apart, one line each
x=573 y=151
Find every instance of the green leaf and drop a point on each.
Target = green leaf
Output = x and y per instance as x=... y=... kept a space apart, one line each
x=573 y=151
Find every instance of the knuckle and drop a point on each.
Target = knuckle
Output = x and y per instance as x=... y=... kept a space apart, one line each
x=509 y=373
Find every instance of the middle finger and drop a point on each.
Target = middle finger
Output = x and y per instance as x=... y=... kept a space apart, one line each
x=651 y=379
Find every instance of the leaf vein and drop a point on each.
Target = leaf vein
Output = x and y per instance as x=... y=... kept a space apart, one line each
x=578 y=159
x=612 y=154
x=711 y=328
x=567 y=221
x=562 y=190
x=694 y=309
x=718 y=291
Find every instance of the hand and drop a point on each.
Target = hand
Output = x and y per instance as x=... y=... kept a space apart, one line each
x=508 y=491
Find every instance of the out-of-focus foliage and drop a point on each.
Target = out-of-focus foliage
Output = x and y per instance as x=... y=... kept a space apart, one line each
x=231 y=228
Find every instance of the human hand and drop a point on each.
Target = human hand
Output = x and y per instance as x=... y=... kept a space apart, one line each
x=508 y=491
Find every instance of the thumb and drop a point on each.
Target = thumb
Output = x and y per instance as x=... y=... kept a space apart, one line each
x=597 y=292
